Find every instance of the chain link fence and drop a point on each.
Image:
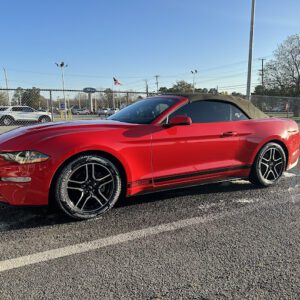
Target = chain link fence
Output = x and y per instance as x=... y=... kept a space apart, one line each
x=19 y=107
x=278 y=106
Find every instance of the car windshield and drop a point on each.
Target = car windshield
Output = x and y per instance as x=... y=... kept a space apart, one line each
x=143 y=111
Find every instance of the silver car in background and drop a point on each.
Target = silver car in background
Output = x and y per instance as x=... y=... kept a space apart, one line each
x=13 y=114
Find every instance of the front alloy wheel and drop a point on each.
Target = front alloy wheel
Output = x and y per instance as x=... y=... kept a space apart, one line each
x=88 y=186
x=269 y=165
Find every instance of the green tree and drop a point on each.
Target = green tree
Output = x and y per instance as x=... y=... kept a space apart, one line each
x=3 y=99
x=32 y=98
x=163 y=90
x=181 y=86
x=17 y=97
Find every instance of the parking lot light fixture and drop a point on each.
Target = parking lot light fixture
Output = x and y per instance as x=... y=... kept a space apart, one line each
x=62 y=65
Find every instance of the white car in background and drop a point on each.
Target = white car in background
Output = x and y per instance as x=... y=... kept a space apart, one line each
x=12 y=114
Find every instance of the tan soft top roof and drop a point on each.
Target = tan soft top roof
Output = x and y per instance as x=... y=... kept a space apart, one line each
x=252 y=111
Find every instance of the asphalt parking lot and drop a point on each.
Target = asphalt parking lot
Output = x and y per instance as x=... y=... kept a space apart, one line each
x=219 y=241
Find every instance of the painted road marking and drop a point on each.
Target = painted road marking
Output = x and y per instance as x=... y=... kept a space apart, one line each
x=288 y=175
x=100 y=243
x=48 y=255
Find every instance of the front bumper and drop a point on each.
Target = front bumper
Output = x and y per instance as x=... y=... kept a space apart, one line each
x=17 y=189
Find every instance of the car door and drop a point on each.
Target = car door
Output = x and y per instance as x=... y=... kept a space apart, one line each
x=16 y=113
x=205 y=149
x=29 y=114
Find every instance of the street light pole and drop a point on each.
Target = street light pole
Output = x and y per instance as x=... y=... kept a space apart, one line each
x=156 y=82
x=6 y=83
x=194 y=74
x=62 y=66
x=250 y=50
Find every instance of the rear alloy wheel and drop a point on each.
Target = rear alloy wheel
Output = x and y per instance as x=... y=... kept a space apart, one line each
x=269 y=165
x=7 y=121
x=44 y=119
x=88 y=186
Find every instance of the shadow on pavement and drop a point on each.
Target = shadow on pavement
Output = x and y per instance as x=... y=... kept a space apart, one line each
x=222 y=187
x=14 y=218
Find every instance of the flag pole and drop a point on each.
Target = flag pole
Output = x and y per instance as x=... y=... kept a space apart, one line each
x=113 y=96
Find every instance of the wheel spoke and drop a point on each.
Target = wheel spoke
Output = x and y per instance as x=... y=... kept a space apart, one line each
x=272 y=155
x=75 y=188
x=98 y=200
x=101 y=194
x=75 y=185
x=274 y=176
x=276 y=173
x=93 y=171
x=266 y=171
x=103 y=178
x=265 y=164
x=265 y=159
x=268 y=174
x=85 y=202
x=79 y=200
x=76 y=182
x=86 y=172
x=105 y=183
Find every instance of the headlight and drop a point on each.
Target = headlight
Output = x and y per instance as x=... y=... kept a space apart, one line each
x=25 y=157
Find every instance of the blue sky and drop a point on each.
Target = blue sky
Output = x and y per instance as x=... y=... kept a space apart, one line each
x=134 y=40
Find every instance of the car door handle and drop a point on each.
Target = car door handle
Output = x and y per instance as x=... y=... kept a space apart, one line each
x=229 y=133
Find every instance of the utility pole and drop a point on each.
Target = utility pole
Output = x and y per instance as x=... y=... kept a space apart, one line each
x=147 y=89
x=62 y=66
x=156 y=81
x=250 y=50
x=194 y=74
x=6 y=83
x=262 y=73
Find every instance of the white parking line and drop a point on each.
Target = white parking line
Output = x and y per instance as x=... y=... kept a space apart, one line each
x=48 y=255
x=100 y=243
x=287 y=174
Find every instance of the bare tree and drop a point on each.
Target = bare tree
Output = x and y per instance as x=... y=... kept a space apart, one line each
x=282 y=74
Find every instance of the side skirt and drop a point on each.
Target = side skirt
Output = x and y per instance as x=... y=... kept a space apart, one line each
x=182 y=186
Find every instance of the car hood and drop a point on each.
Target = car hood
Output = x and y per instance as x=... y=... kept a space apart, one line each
x=30 y=134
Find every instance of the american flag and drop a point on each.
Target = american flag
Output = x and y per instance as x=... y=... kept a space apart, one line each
x=116 y=81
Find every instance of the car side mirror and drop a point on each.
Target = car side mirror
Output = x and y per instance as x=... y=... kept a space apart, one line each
x=180 y=120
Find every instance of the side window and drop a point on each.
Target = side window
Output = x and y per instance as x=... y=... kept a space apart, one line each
x=27 y=109
x=210 y=111
x=237 y=114
x=16 y=109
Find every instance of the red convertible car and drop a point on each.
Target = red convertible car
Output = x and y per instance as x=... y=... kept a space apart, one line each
x=161 y=142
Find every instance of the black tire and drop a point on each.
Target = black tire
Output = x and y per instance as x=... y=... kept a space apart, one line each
x=88 y=186
x=44 y=119
x=7 y=120
x=269 y=165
